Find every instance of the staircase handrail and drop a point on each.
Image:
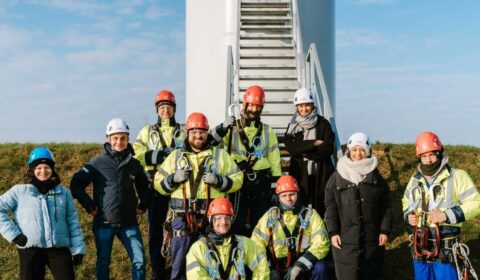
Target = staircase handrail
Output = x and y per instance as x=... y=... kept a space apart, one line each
x=297 y=39
x=313 y=71
x=230 y=90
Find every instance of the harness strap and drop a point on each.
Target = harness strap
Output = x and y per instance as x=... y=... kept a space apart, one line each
x=190 y=206
x=250 y=149
x=224 y=272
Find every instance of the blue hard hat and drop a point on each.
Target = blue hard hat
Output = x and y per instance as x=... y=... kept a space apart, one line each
x=40 y=153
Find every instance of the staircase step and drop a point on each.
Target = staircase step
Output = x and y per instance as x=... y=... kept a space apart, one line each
x=267 y=52
x=265 y=4
x=268 y=71
x=265 y=19
x=279 y=84
x=276 y=44
x=265 y=11
x=271 y=77
x=267 y=63
x=279 y=108
x=269 y=28
x=272 y=56
x=264 y=36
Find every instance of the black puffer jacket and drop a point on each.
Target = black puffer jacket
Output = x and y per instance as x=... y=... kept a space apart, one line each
x=117 y=179
x=313 y=186
x=358 y=214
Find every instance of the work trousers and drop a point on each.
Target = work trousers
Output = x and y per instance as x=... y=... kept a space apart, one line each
x=157 y=213
x=255 y=200
x=434 y=270
x=319 y=272
x=180 y=246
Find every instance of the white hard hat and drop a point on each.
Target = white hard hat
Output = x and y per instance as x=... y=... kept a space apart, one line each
x=359 y=139
x=117 y=125
x=302 y=96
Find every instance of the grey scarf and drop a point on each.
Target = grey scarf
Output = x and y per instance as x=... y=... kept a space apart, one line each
x=356 y=171
x=307 y=126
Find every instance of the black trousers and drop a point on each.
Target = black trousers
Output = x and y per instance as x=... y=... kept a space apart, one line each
x=33 y=261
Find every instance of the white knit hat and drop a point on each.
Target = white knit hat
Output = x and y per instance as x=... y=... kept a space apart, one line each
x=359 y=139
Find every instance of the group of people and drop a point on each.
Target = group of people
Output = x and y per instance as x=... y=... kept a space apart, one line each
x=205 y=189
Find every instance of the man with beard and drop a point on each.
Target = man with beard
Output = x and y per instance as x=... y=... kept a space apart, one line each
x=437 y=200
x=117 y=180
x=154 y=143
x=223 y=255
x=192 y=176
x=254 y=146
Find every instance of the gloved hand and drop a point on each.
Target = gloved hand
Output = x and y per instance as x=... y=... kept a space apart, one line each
x=77 y=259
x=211 y=178
x=20 y=240
x=168 y=150
x=297 y=271
x=181 y=176
x=229 y=122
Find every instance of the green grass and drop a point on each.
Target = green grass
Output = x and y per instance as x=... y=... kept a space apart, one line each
x=396 y=163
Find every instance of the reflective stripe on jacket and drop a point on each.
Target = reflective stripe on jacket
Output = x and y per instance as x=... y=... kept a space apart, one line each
x=461 y=199
x=254 y=259
x=224 y=165
x=315 y=239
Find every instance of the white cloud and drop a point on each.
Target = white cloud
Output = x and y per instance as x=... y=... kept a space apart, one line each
x=360 y=37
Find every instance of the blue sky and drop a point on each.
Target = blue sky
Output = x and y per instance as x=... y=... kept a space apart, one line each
x=68 y=66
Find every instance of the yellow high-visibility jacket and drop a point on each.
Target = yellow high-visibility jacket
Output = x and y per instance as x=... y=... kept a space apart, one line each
x=147 y=141
x=270 y=152
x=222 y=165
x=254 y=258
x=315 y=244
x=461 y=199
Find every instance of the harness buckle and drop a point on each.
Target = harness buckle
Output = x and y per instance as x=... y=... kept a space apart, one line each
x=292 y=243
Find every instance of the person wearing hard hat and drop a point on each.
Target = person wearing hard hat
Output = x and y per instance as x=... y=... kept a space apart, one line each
x=358 y=213
x=293 y=235
x=220 y=254
x=117 y=179
x=254 y=146
x=192 y=176
x=154 y=143
x=437 y=200
x=41 y=199
x=310 y=140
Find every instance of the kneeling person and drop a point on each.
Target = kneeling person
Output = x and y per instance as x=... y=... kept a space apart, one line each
x=293 y=235
x=223 y=255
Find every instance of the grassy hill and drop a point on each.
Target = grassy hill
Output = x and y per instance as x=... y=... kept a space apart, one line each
x=396 y=163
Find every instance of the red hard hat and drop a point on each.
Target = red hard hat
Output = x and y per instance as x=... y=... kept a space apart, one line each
x=165 y=95
x=427 y=142
x=196 y=121
x=286 y=183
x=254 y=95
x=220 y=206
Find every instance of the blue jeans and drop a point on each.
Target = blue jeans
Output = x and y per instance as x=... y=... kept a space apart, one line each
x=434 y=271
x=131 y=239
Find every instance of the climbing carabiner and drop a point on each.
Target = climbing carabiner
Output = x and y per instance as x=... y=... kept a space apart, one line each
x=413 y=200
x=210 y=164
x=305 y=220
x=234 y=111
x=258 y=147
x=273 y=215
x=436 y=197
x=179 y=137
x=153 y=139
x=238 y=262
x=186 y=165
x=213 y=269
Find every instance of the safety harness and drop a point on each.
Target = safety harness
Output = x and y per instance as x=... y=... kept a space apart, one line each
x=235 y=258
x=293 y=239
x=254 y=152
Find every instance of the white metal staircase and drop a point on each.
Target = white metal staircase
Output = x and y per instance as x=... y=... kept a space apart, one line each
x=267 y=57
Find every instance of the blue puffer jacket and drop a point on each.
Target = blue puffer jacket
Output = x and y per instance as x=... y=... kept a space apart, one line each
x=47 y=220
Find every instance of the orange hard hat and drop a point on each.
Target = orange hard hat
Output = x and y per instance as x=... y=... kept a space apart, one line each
x=196 y=121
x=286 y=183
x=254 y=95
x=165 y=96
x=427 y=142
x=220 y=206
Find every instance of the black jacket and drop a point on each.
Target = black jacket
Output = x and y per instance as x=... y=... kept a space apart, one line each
x=358 y=214
x=312 y=187
x=117 y=179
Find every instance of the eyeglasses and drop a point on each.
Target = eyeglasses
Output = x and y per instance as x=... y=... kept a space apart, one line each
x=222 y=217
